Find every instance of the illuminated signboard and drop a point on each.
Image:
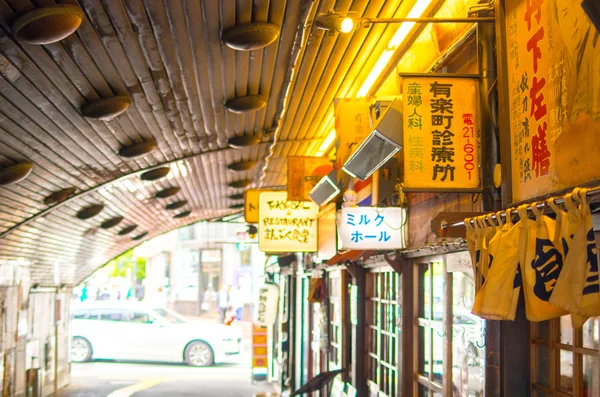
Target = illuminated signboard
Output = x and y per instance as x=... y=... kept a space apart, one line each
x=441 y=133
x=372 y=228
x=266 y=308
x=286 y=226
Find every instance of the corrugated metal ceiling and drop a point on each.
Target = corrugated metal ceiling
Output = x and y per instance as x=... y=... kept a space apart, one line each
x=167 y=56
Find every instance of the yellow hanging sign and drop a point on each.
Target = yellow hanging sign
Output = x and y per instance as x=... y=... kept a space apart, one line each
x=286 y=226
x=441 y=133
x=251 y=205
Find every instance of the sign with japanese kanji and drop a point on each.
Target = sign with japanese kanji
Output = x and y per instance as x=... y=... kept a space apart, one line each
x=441 y=133
x=251 y=205
x=266 y=308
x=286 y=226
x=372 y=228
x=553 y=54
x=353 y=125
x=304 y=173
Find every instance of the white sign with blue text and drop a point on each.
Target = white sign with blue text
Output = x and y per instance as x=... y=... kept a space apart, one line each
x=372 y=228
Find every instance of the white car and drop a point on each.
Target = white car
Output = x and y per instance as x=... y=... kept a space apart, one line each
x=132 y=331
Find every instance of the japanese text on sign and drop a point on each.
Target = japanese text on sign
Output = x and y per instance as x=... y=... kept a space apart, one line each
x=554 y=96
x=372 y=228
x=286 y=226
x=440 y=138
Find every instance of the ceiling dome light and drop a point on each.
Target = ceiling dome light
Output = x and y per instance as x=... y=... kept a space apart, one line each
x=236 y=206
x=183 y=214
x=112 y=222
x=140 y=236
x=168 y=192
x=59 y=196
x=155 y=174
x=176 y=205
x=47 y=25
x=90 y=211
x=127 y=230
x=241 y=166
x=244 y=141
x=238 y=196
x=137 y=149
x=250 y=36
x=106 y=108
x=245 y=104
x=15 y=173
x=240 y=184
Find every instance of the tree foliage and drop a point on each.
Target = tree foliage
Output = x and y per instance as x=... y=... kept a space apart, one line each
x=125 y=264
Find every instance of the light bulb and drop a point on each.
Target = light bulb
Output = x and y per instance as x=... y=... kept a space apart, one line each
x=347 y=25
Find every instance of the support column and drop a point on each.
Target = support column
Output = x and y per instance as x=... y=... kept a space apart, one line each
x=359 y=342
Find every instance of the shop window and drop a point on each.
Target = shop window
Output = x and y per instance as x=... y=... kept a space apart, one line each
x=335 y=321
x=449 y=353
x=566 y=360
x=383 y=319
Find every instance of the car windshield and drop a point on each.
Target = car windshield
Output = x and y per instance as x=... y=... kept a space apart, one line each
x=171 y=316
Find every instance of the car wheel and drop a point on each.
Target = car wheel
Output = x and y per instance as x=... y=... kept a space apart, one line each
x=81 y=350
x=199 y=354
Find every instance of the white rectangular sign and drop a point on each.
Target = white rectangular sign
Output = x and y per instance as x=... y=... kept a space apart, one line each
x=286 y=226
x=268 y=302
x=372 y=228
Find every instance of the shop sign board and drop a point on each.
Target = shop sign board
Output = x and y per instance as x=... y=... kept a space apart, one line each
x=441 y=133
x=260 y=355
x=304 y=173
x=268 y=304
x=251 y=205
x=554 y=96
x=353 y=125
x=372 y=228
x=286 y=226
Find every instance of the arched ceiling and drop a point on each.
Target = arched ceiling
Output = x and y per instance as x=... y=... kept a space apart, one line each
x=168 y=58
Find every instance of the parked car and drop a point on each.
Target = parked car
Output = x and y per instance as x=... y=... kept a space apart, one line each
x=133 y=331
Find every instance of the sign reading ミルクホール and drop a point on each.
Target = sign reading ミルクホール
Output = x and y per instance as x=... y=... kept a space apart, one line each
x=286 y=226
x=440 y=133
x=370 y=228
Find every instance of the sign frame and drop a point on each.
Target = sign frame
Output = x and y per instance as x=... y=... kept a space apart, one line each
x=476 y=150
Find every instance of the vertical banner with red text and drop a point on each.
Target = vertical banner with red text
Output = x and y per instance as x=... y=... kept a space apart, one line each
x=554 y=96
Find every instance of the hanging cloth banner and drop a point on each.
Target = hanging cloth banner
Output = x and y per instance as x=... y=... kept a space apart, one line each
x=578 y=288
x=541 y=267
x=498 y=297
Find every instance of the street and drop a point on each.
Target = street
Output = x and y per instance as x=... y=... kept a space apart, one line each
x=112 y=379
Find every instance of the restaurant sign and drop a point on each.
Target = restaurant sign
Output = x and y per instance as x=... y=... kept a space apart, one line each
x=441 y=133
x=286 y=226
x=554 y=96
x=372 y=228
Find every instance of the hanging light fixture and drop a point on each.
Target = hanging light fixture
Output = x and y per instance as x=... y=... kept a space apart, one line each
x=155 y=174
x=250 y=36
x=337 y=22
x=244 y=141
x=59 y=196
x=106 y=108
x=137 y=149
x=47 y=25
x=127 y=230
x=90 y=211
x=168 y=192
x=176 y=205
x=15 y=173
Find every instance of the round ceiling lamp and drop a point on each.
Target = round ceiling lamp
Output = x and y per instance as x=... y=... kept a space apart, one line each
x=155 y=174
x=244 y=141
x=106 y=108
x=127 y=230
x=245 y=104
x=176 y=205
x=241 y=166
x=183 y=214
x=240 y=184
x=137 y=149
x=59 y=196
x=168 y=192
x=112 y=222
x=139 y=236
x=47 y=25
x=90 y=211
x=238 y=196
x=250 y=36
x=236 y=206
x=15 y=173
